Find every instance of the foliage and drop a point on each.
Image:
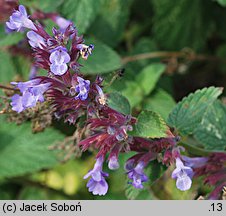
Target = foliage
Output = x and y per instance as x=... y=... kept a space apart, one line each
x=173 y=53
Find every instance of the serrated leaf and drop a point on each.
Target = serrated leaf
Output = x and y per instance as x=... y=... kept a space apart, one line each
x=156 y=170
x=161 y=102
x=102 y=60
x=118 y=102
x=149 y=76
x=11 y=39
x=22 y=152
x=212 y=130
x=187 y=24
x=150 y=125
x=188 y=113
x=143 y=84
x=81 y=12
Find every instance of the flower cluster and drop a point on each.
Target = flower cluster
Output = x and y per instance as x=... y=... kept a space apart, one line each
x=71 y=96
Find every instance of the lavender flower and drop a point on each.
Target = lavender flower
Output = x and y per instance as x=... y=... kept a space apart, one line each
x=136 y=174
x=59 y=59
x=101 y=98
x=82 y=88
x=97 y=183
x=85 y=50
x=19 y=20
x=33 y=72
x=32 y=92
x=35 y=40
x=194 y=162
x=113 y=163
x=62 y=23
x=183 y=175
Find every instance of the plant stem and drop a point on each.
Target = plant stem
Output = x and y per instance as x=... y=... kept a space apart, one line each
x=175 y=54
x=195 y=150
x=7 y=87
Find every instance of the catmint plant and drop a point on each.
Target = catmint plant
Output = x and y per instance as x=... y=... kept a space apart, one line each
x=72 y=96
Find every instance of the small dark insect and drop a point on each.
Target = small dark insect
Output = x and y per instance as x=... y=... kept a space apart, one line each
x=121 y=72
x=118 y=74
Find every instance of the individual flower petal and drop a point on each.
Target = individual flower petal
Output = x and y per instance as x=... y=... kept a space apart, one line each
x=59 y=59
x=17 y=103
x=97 y=183
x=82 y=88
x=183 y=182
x=19 y=20
x=137 y=175
x=62 y=23
x=97 y=187
x=183 y=175
x=113 y=163
x=23 y=86
x=58 y=69
x=195 y=162
x=35 y=40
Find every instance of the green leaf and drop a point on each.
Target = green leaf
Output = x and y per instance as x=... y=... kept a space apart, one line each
x=188 y=113
x=143 y=84
x=81 y=12
x=138 y=194
x=155 y=170
x=187 y=24
x=222 y=2
x=11 y=39
x=22 y=152
x=7 y=69
x=149 y=76
x=161 y=102
x=212 y=130
x=110 y=23
x=150 y=125
x=102 y=60
x=118 y=102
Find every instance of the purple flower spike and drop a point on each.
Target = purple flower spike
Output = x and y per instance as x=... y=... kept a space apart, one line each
x=82 y=88
x=85 y=50
x=35 y=40
x=97 y=183
x=59 y=59
x=19 y=20
x=137 y=175
x=183 y=175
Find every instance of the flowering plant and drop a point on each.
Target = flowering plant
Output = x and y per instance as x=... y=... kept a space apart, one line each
x=68 y=95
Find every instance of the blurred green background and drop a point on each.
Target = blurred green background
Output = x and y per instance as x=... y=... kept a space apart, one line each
x=188 y=36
